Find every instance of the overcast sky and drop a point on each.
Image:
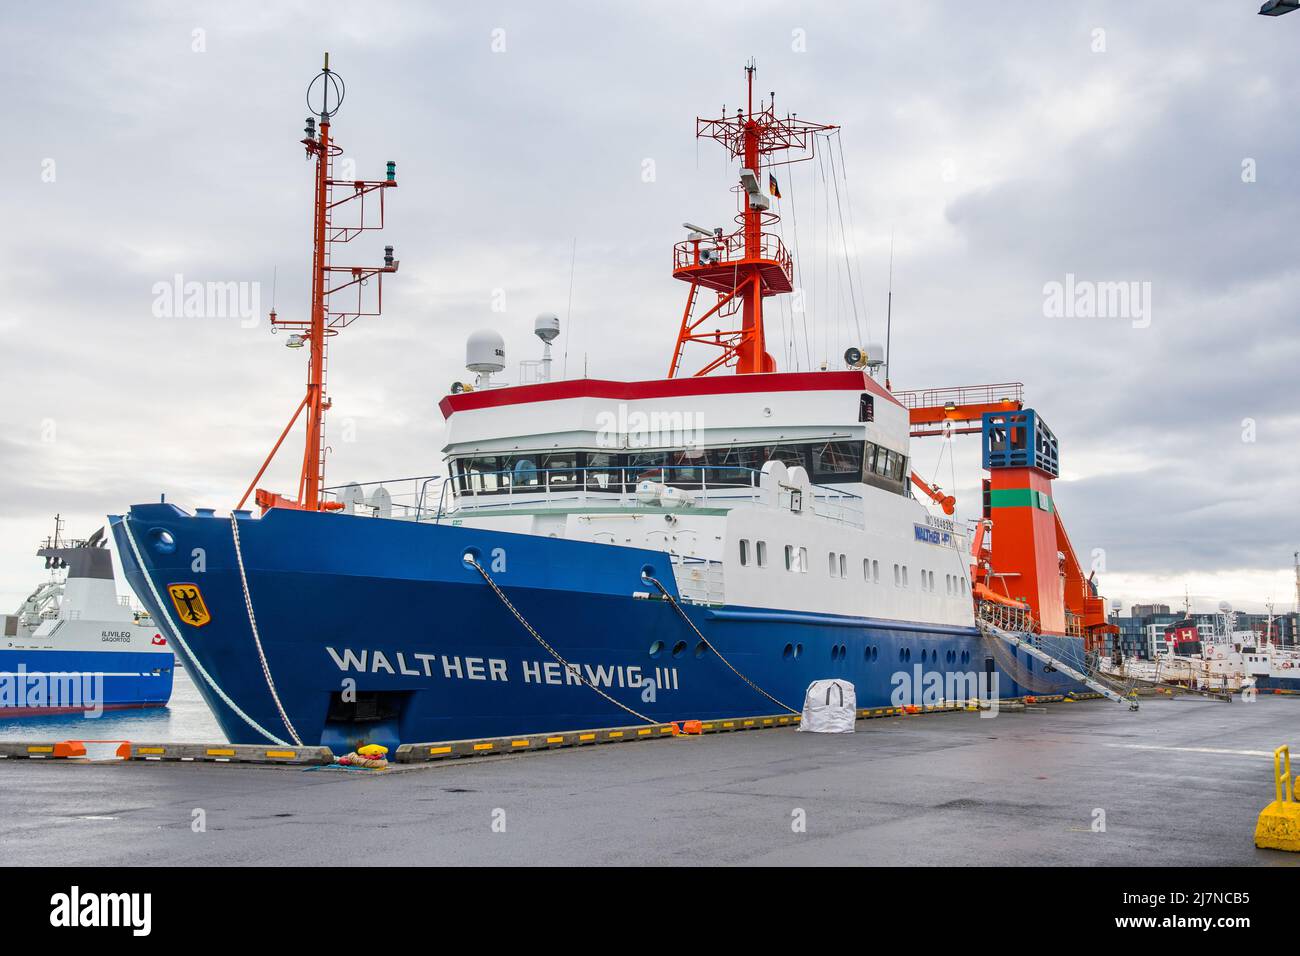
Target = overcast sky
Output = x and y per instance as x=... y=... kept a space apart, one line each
x=1004 y=146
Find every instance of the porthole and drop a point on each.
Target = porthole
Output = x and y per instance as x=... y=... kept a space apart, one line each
x=788 y=652
x=700 y=648
x=798 y=650
x=679 y=648
x=656 y=648
x=162 y=540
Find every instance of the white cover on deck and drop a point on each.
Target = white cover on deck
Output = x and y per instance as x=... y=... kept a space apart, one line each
x=829 y=707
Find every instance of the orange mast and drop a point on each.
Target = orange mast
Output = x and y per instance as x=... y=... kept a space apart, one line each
x=323 y=322
x=747 y=265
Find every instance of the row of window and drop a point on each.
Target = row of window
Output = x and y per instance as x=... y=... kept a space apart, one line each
x=796 y=560
x=839 y=652
x=827 y=462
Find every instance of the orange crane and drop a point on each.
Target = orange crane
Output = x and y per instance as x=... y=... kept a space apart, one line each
x=1031 y=549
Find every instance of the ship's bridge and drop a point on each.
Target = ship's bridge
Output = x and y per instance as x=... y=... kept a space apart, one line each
x=708 y=437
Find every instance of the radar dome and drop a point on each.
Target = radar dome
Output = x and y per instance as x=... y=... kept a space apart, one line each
x=485 y=351
x=547 y=327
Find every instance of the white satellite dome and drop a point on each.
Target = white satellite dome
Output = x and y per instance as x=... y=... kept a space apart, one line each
x=547 y=327
x=485 y=351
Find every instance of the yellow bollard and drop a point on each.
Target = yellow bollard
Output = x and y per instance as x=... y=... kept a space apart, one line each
x=1279 y=822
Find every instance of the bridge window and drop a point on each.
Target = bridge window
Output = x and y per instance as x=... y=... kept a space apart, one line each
x=884 y=468
x=866 y=408
x=602 y=472
x=478 y=475
x=837 y=460
x=827 y=463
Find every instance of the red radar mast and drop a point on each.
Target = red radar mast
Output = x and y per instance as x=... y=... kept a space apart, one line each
x=744 y=267
x=326 y=319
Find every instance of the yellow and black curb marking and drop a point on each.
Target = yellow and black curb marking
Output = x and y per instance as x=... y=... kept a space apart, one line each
x=525 y=743
x=190 y=753
x=33 y=751
x=232 y=753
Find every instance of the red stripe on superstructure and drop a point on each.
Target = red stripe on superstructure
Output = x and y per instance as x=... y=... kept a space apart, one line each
x=665 y=388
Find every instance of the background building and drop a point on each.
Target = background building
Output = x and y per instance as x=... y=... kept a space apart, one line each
x=1141 y=633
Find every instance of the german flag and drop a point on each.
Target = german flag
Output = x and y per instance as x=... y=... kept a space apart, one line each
x=772 y=187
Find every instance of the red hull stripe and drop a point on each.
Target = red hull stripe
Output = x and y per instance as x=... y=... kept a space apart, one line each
x=6 y=712
x=664 y=388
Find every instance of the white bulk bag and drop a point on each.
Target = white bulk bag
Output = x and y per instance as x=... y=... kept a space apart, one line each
x=829 y=707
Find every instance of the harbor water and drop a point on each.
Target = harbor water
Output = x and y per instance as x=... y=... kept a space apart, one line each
x=185 y=719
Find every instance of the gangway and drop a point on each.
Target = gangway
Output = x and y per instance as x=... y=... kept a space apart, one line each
x=1020 y=642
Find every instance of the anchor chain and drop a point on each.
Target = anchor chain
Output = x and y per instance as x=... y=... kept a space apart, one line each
x=569 y=668
x=257 y=639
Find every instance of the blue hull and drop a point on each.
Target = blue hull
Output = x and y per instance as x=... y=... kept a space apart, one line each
x=81 y=680
x=390 y=614
x=1277 y=683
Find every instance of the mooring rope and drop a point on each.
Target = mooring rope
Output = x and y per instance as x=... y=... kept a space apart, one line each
x=257 y=640
x=176 y=636
x=569 y=668
x=691 y=624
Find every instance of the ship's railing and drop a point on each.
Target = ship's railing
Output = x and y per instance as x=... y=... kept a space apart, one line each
x=1007 y=618
x=433 y=497
x=699 y=580
x=721 y=250
x=962 y=395
x=414 y=499
x=691 y=487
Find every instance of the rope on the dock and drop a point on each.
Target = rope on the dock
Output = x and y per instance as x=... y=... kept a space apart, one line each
x=569 y=668
x=691 y=624
x=176 y=636
x=257 y=640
